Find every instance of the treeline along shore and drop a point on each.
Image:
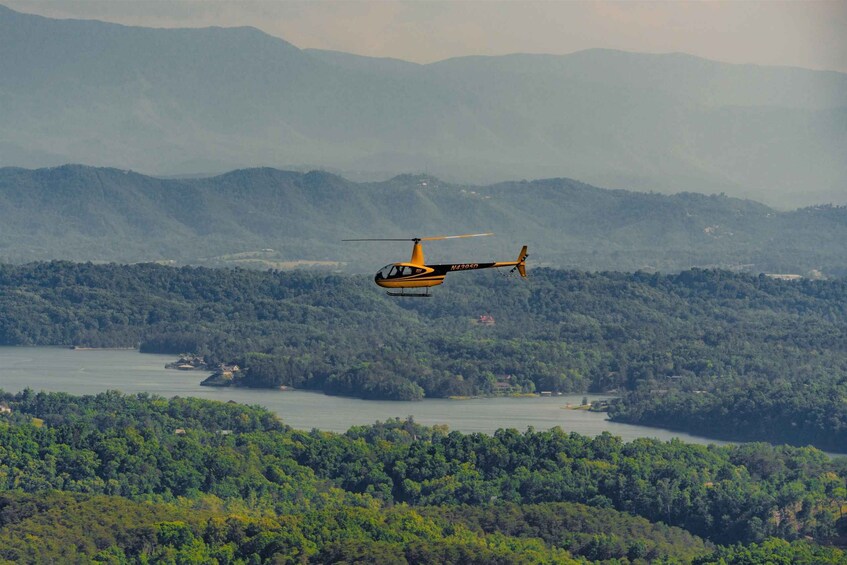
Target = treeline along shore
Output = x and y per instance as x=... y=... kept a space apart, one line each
x=736 y=356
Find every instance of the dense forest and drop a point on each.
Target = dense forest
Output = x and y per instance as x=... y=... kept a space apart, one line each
x=270 y=218
x=136 y=479
x=723 y=354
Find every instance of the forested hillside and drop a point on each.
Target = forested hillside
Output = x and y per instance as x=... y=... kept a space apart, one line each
x=272 y=218
x=138 y=479
x=717 y=353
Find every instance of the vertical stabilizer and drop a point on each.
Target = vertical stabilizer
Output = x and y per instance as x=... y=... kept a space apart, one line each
x=522 y=261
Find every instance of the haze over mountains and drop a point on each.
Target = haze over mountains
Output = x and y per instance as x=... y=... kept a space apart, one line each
x=266 y=217
x=181 y=101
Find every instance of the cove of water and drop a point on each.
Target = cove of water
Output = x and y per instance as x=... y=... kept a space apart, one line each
x=82 y=372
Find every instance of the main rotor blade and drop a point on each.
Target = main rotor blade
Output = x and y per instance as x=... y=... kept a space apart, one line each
x=434 y=238
x=454 y=236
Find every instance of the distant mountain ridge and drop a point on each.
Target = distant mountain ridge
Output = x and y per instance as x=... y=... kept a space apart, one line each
x=272 y=218
x=177 y=101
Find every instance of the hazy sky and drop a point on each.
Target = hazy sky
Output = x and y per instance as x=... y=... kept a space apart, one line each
x=807 y=34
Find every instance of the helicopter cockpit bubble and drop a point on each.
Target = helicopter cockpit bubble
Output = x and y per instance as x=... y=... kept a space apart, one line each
x=384 y=272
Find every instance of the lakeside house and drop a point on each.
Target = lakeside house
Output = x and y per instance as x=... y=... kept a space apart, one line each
x=502 y=386
x=223 y=376
x=188 y=362
x=228 y=371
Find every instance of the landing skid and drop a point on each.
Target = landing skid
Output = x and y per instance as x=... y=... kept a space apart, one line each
x=409 y=294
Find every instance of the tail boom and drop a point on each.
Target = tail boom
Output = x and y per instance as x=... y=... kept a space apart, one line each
x=519 y=265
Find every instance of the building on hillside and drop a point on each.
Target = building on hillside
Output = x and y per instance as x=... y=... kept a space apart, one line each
x=486 y=320
x=784 y=276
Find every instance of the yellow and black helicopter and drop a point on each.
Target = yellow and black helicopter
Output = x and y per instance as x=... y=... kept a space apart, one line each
x=416 y=274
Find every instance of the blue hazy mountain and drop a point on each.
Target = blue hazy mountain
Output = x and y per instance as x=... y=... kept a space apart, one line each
x=175 y=101
x=264 y=217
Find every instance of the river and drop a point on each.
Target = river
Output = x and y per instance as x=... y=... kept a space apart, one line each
x=81 y=372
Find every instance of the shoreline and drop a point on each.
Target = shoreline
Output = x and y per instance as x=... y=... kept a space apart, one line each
x=81 y=348
x=294 y=405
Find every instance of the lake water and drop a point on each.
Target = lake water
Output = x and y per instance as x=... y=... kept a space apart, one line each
x=92 y=371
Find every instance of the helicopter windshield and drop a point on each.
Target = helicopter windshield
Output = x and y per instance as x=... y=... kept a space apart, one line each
x=394 y=271
x=385 y=272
